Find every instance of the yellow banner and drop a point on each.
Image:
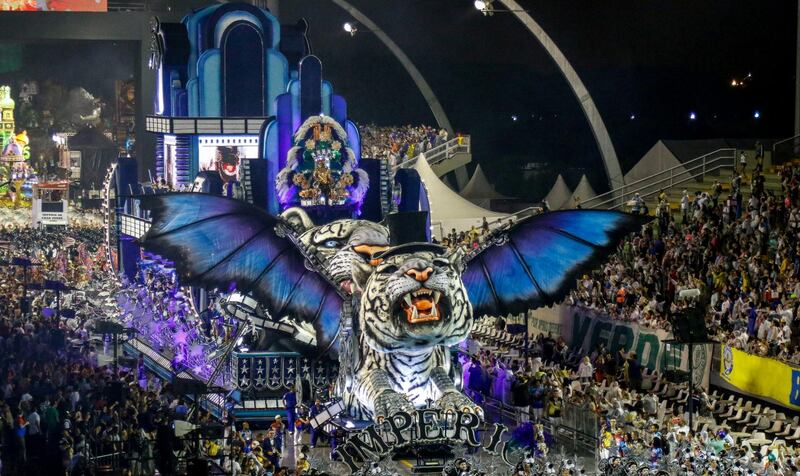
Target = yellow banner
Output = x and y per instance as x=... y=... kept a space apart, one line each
x=761 y=376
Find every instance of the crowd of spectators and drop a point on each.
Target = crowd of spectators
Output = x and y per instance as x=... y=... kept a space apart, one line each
x=65 y=407
x=59 y=406
x=552 y=374
x=473 y=237
x=397 y=144
x=743 y=257
x=639 y=415
x=156 y=304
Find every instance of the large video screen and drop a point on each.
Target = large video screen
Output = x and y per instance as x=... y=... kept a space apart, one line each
x=224 y=154
x=54 y=5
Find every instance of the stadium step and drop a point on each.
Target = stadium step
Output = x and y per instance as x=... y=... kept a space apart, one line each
x=772 y=183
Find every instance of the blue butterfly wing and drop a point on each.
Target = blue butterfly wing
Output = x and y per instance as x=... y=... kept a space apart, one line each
x=540 y=258
x=224 y=243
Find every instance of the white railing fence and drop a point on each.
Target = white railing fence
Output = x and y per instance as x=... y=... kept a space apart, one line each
x=696 y=169
x=440 y=153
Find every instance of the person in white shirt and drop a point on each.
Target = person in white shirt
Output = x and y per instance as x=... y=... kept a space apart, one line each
x=585 y=370
x=714 y=299
x=614 y=392
x=773 y=333
x=34 y=423
x=685 y=206
x=763 y=329
x=741 y=340
x=74 y=398
x=726 y=304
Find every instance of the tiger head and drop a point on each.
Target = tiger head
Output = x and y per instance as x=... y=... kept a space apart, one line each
x=413 y=299
x=341 y=243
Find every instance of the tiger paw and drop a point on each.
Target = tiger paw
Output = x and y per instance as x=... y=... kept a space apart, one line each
x=390 y=402
x=455 y=401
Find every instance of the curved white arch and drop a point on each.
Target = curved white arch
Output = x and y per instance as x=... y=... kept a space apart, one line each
x=609 y=155
x=419 y=80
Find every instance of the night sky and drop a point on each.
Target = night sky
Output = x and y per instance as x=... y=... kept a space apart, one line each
x=655 y=61
x=658 y=61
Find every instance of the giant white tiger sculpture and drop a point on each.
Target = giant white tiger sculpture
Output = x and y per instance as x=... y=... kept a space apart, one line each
x=405 y=323
x=413 y=306
x=411 y=301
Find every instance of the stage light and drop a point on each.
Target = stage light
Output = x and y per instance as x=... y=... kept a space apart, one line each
x=350 y=28
x=757 y=115
x=486 y=7
x=514 y=118
x=734 y=83
x=633 y=116
x=182 y=428
x=692 y=116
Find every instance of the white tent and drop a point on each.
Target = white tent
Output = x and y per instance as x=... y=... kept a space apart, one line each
x=479 y=191
x=558 y=196
x=583 y=190
x=448 y=209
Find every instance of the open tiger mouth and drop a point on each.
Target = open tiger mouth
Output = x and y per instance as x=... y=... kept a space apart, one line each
x=346 y=285
x=422 y=305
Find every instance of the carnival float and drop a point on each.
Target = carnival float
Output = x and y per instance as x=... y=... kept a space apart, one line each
x=270 y=253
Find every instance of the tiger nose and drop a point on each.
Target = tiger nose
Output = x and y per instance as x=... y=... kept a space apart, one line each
x=420 y=275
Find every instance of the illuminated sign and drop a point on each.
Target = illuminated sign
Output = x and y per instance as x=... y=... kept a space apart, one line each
x=54 y=5
x=50 y=204
x=53 y=218
x=429 y=426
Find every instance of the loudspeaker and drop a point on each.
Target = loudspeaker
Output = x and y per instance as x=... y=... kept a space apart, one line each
x=188 y=386
x=115 y=391
x=690 y=326
x=213 y=430
x=197 y=467
x=109 y=327
x=57 y=338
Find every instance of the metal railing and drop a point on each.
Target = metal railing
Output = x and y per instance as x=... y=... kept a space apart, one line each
x=577 y=428
x=693 y=170
x=496 y=223
x=785 y=149
x=442 y=152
